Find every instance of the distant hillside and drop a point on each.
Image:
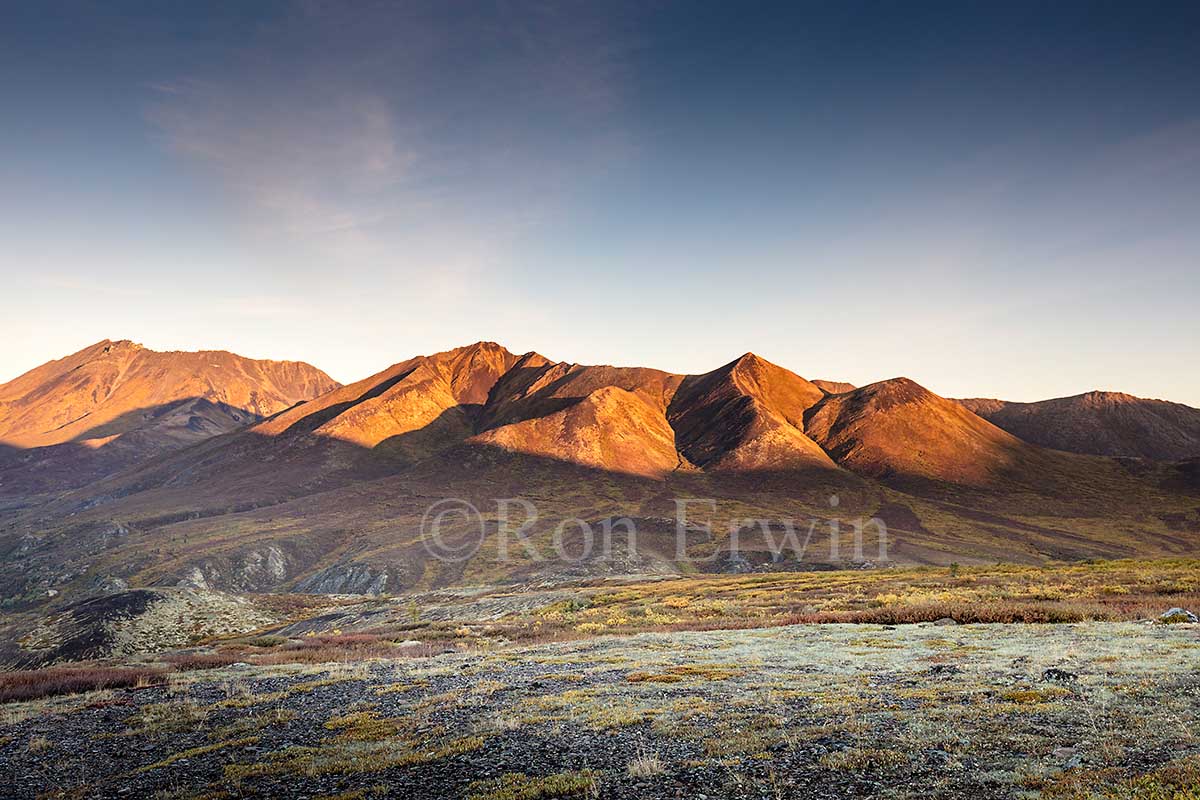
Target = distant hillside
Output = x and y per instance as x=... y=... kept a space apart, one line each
x=1100 y=423
x=114 y=388
x=834 y=387
x=116 y=403
x=897 y=429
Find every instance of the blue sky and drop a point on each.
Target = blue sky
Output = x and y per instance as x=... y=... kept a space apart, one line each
x=995 y=199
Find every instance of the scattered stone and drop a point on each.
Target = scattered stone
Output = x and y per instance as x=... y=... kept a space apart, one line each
x=1055 y=675
x=944 y=669
x=109 y=584
x=1177 y=615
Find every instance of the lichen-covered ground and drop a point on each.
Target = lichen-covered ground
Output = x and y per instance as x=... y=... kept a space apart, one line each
x=1083 y=710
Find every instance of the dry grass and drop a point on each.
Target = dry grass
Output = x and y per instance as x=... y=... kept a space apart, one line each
x=363 y=726
x=685 y=672
x=646 y=765
x=864 y=759
x=168 y=717
x=1058 y=593
x=1178 y=780
x=329 y=648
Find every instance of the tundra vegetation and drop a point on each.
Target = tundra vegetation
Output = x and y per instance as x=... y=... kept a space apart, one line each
x=1052 y=682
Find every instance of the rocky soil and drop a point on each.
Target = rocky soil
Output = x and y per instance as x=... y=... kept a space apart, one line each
x=805 y=711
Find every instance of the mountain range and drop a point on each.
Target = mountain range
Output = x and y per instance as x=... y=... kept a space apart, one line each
x=120 y=467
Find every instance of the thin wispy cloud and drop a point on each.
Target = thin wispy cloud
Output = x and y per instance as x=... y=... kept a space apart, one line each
x=362 y=144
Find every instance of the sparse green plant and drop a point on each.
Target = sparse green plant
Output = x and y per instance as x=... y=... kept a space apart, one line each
x=863 y=759
x=518 y=786
x=170 y=717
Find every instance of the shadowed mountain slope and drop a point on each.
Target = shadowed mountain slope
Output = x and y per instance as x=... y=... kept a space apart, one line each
x=746 y=415
x=898 y=429
x=611 y=428
x=449 y=388
x=1100 y=423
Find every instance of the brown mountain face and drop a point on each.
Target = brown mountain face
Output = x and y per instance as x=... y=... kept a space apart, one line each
x=1100 y=423
x=445 y=391
x=536 y=387
x=898 y=429
x=610 y=418
x=115 y=404
x=115 y=388
x=747 y=415
x=612 y=429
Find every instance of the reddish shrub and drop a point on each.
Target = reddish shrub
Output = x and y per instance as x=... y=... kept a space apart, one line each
x=187 y=662
x=339 y=640
x=962 y=613
x=35 y=683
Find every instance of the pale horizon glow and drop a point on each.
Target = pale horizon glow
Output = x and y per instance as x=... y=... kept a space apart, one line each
x=995 y=202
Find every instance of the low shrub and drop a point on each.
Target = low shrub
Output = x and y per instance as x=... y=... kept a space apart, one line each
x=38 y=683
x=963 y=613
x=186 y=662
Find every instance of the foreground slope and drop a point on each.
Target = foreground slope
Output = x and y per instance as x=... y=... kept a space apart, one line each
x=1100 y=423
x=812 y=711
